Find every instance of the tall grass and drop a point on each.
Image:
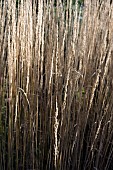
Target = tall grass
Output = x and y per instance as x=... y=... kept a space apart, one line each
x=56 y=85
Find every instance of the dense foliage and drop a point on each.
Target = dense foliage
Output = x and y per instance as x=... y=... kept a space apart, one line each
x=56 y=85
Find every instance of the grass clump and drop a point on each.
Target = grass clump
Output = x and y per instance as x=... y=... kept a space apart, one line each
x=56 y=87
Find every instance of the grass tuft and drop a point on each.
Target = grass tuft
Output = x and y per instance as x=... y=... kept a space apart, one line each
x=56 y=85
